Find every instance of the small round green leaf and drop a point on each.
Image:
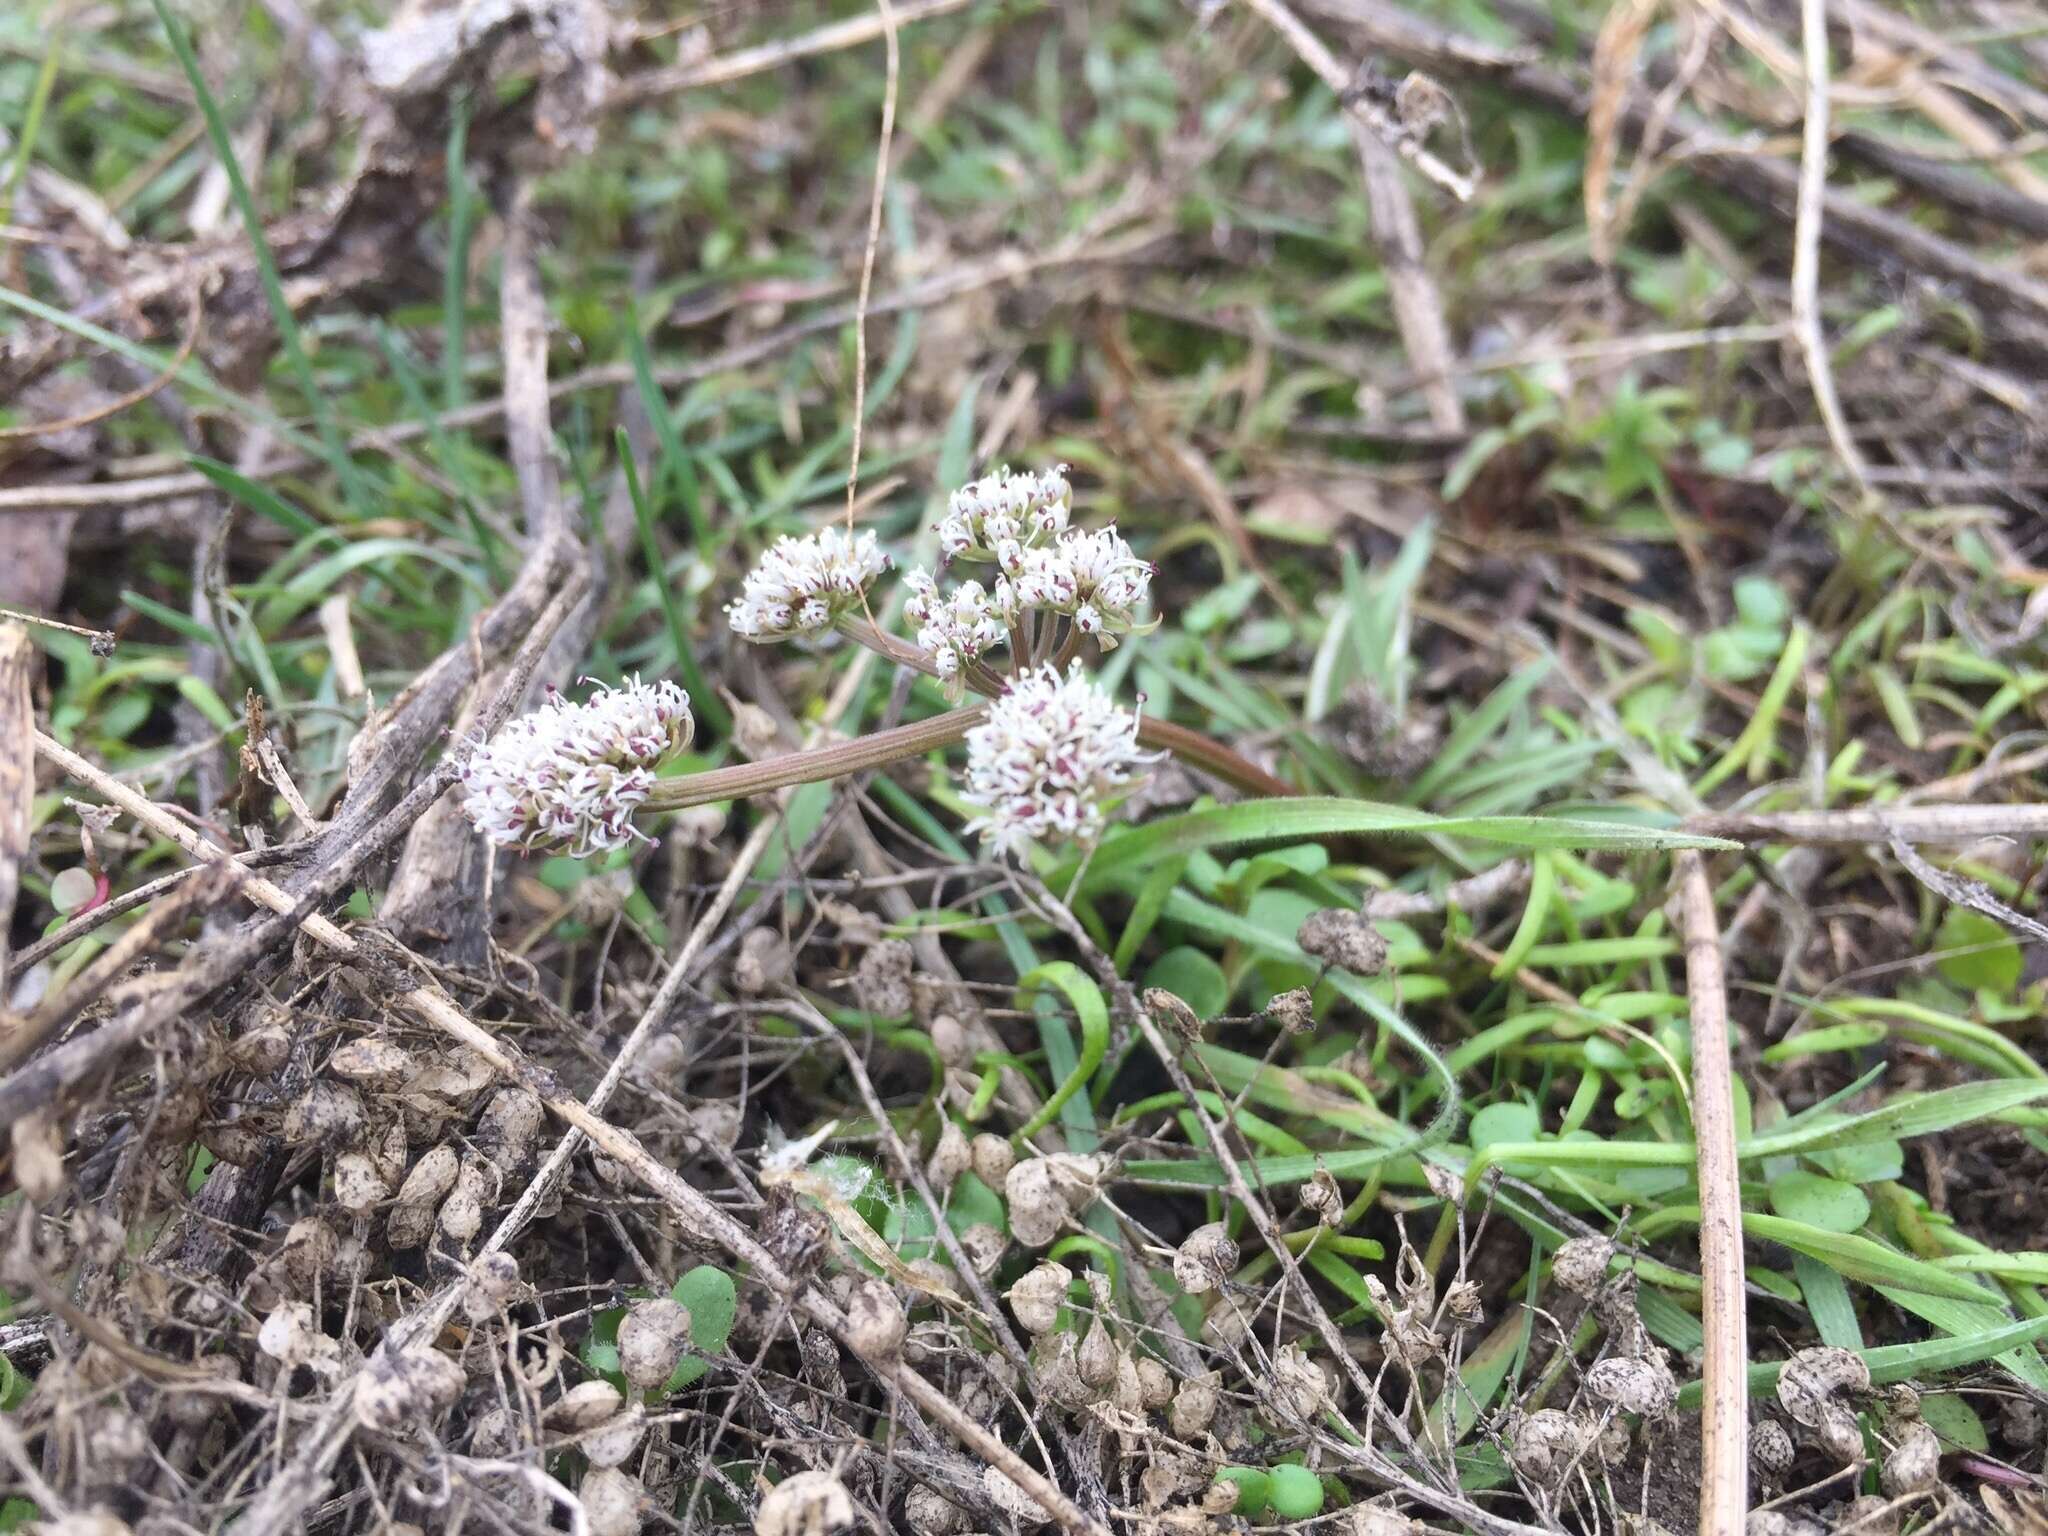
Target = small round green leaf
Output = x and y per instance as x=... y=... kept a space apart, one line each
x=1977 y=952
x=1504 y=1122
x=1297 y=1492
x=1819 y=1201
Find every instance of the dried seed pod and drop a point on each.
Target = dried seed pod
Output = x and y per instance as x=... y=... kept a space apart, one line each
x=652 y=1340
x=1169 y=1009
x=764 y=963
x=927 y=1512
x=950 y=1040
x=237 y=1143
x=358 y=1187
x=305 y=1254
x=1613 y=1444
x=1645 y=1386
x=881 y=981
x=1445 y=1183
x=1340 y=937
x=612 y=1501
x=405 y=1386
x=1054 y=1359
x=462 y=1213
x=584 y=1405
x=1902 y=1403
x=1777 y=1522
x=262 y=1051
x=408 y=1226
x=1770 y=1449
x=1816 y=1378
x=1010 y=1499
x=715 y=1126
x=1580 y=1265
x=491 y=1286
x=993 y=1157
x=376 y=1062
x=875 y=1323
x=38 y=1156
x=1038 y=1211
x=1321 y=1198
x=804 y=1504
x=329 y=1113
x=1378 y=1520
x=613 y=1441
x=285 y=1332
x=1096 y=1358
x=1127 y=1389
x=511 y=1121
x=1463 y=1304
x=495 y=1433
x=1038 y=1295
x=431 y=1177
x=1155 y=1382
x=1545 y=1446
x=1206 y=1258
x=1225 y=1326
x=984 y=1246
x=1914 y=1464
x=950 y=1158
x=1293 y=1010
x=1298 y=1382
x=1194 y=1405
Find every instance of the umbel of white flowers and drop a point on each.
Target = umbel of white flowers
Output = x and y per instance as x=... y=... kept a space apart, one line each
x=575 y=774
x=1053 y=751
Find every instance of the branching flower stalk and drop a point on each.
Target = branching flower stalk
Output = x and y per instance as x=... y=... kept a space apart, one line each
x=1045 y=759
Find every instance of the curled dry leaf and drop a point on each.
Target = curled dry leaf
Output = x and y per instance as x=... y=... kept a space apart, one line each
x=1321 y=1198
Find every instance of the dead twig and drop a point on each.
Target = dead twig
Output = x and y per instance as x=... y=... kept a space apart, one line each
x=17 y=774
x=1813 y=186
x=1877 y=824
x=1724 y=1413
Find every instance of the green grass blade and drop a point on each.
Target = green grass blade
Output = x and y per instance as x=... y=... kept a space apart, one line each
x=334 y=445
x=704 y=699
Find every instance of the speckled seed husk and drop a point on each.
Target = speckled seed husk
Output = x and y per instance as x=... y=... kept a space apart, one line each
x=652 y=1339
x=612 y=1501
x=804 y=1504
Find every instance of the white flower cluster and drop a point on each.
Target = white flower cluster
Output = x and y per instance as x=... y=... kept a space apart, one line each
x=1091 y=575
x=954 y=629
x=804 y=586
x=997 y=516
x=575 y=773
x=1051 y=751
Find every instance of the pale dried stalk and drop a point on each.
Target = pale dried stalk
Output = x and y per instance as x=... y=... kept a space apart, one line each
x=1813 y=188
x=875 y=750
x=1724 y=1410
x=700 y=1217
x=1879 y=824
x=17 y=774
